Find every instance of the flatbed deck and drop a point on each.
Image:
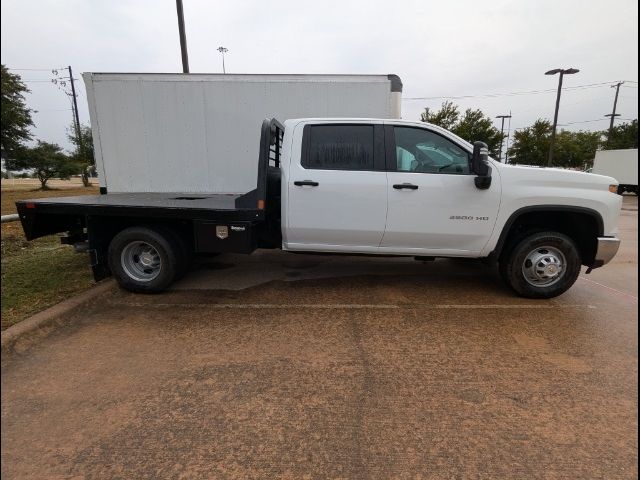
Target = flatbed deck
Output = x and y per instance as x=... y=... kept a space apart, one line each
x=172 y=205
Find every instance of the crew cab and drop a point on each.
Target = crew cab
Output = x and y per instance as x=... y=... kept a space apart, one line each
x=359 y=186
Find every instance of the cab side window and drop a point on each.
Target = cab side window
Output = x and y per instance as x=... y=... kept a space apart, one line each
x=422 y=151
x=340 y=147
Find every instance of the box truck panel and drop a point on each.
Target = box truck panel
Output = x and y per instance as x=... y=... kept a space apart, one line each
x=199 y=133
x=619 y=164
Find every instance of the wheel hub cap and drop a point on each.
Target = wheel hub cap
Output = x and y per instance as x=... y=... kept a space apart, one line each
x=146 y=259
x=141 y=261
x=544 y=266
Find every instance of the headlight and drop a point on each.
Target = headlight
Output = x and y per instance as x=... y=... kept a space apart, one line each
x=613 y=188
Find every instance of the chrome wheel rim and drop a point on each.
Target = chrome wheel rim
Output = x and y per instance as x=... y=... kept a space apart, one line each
x=544 y=266
x=141 y=261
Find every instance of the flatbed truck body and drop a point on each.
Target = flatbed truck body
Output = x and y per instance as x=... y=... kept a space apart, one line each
x=354 y=186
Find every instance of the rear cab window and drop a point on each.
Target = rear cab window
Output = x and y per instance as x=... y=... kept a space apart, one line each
x=341 y=147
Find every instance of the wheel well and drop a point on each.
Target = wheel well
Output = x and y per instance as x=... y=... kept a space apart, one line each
x=583 y=227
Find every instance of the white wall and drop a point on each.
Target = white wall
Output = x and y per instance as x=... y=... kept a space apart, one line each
x=200 y=133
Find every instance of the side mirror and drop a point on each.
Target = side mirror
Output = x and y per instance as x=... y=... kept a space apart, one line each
x=480 y=165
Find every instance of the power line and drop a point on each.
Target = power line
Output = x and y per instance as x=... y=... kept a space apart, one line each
x=508 y=94
x=33 y=69
x=582 y=121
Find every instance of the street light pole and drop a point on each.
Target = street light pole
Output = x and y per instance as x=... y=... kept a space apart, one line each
x=223 y=50
x=555 y=120
x=506 y=153
x=183 y=37
x=502 y=134
x=562 y=72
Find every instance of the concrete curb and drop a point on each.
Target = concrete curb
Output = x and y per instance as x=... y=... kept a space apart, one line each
x=44 y=321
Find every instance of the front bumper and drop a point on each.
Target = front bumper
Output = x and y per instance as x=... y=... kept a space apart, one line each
x=606 y=250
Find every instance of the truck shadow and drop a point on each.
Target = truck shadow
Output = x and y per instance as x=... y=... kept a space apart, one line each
x=269 y=275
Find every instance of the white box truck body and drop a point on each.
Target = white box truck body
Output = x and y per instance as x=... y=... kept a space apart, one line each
x=621 y=165
x=198 y=133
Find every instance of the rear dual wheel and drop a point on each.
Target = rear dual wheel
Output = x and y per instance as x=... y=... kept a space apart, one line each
x=148 y=259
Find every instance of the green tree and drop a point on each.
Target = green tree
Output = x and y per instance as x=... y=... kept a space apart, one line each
x=15 y=115
x=474 y=125
x=83 y=150
x=576 y=149
x=571 y=150
x=623 y=136
x=531 y=145
x=47 y=160
x=447 y=117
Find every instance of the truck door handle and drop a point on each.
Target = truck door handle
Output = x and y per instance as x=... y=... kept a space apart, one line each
x=302 y=183
x=407 y=186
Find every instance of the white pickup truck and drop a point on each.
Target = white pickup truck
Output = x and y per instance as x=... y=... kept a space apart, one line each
x=362 y=186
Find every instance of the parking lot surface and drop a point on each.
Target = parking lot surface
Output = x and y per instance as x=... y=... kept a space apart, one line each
x=298 y=366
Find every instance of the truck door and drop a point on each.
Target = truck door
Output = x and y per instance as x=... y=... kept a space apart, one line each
x=434 y=206
x=337 y=188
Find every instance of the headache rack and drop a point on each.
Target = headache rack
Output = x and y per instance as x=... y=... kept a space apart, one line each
x=271 y=136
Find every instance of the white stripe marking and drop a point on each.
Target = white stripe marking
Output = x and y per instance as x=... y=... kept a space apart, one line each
x=319 y=306
x=610 y=288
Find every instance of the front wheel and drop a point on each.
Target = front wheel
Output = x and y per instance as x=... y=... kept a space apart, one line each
x=542 y=265
x=144 y=259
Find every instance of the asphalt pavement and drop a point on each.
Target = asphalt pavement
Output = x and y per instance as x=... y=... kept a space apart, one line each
x=300 y=366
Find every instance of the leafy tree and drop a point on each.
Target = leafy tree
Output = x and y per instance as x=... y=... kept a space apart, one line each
x=83 y=152
x=571 y=150
x=575 y=149
x=15 y=116
x=47 y=160
x=475 y=125
x=447 y=117
x=531 y=145
x=472 y=126
x=624 y=135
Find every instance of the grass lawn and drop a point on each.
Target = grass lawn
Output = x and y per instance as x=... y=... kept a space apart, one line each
x=40 y=273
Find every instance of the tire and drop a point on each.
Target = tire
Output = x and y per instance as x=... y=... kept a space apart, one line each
x=184 y=252
x=157 y=263
x=531 y=267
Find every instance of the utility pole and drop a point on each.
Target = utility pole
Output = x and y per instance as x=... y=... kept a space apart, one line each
x=502 y=134
x=223 y=50
x=183 y=37
x=562 y=72
x=61 y=82
x=613 y=114
x=74 y=98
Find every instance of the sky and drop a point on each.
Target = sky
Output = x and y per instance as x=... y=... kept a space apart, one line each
x=455 y=48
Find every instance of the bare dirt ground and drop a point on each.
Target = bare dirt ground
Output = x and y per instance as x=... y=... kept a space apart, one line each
x=290 y=366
